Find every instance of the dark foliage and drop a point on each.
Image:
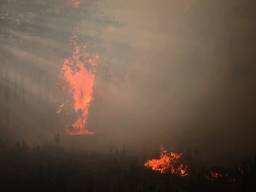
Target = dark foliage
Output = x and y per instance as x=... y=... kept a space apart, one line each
x=52 y=168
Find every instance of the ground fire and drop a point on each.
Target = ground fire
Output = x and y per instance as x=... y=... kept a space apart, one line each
x=215 y=176
x=169 y=162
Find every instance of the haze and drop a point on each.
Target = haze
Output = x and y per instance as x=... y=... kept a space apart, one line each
x=177 y=73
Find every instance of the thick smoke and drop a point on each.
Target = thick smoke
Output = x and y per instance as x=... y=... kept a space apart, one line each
x=174 y=73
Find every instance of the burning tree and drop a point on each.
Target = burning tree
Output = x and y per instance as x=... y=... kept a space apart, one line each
x=79 y=74
x=79 y=71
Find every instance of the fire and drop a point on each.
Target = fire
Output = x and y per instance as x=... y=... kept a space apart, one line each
x=60 y=108
x=215 y=176
x=169 y=162
x=79 y=73
x=75 y=3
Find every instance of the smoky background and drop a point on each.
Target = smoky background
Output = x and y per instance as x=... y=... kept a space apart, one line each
x=174 y=73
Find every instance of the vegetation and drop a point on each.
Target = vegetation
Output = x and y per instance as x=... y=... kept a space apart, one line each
x=52 y=168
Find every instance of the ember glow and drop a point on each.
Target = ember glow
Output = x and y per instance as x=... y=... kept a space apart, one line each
x=169 y=162
x=60 y=108
x=79 y=73
x=75 y=3
x=215 y=176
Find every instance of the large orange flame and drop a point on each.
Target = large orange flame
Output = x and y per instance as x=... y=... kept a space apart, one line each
x=79 y=73
x=169 y=162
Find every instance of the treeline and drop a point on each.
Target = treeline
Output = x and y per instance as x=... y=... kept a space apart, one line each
x=52 y=168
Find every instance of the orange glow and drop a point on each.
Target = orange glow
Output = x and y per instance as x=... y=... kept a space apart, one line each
x=75 y=3
x=60 y=108
x=79 y=71
x=79 y=74
x=214 y=176
x=169 y=162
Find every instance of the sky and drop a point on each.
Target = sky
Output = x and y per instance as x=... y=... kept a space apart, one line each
x=174 y=73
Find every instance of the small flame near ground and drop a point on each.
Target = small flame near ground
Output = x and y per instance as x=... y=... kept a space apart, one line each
x=215 y=176
x=169 y=162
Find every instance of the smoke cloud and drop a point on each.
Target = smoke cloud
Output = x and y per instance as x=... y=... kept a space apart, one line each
x=175 y=73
